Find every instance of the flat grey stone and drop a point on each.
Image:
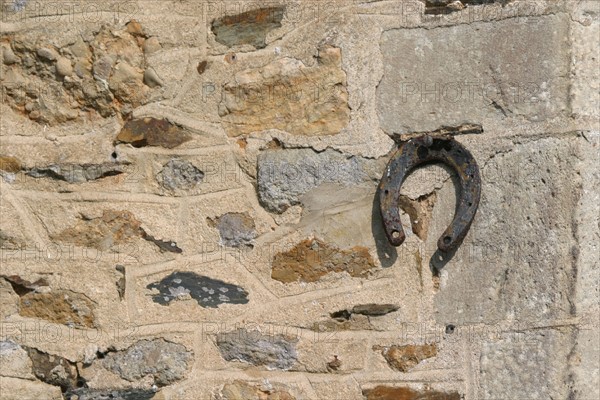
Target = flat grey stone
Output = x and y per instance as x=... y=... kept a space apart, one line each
x=274 y=352
x=166 y=362
x=469 y=73
x=285 y=175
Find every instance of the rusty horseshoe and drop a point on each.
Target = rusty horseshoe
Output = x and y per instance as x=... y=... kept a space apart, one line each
x=422 y=150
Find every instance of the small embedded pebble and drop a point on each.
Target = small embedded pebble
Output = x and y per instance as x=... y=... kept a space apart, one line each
x=8 y=56
x=151 y=45
x=64 y=67
x=152 y=79
x=47 y=53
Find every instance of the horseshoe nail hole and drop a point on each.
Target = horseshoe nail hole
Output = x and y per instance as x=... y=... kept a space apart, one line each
x=470 y=204
x=114 y=155
x=422 y=152
x=386 y=191
x=447 y=240
x=395 y=234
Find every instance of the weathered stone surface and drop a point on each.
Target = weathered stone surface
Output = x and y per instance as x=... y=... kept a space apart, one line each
x=164 y=361
x=53 y=370
x=15 y=361
x=404 y=393
x=271 y=351
x=239 y=390
x=10 y=164
x=236 y=229
x=527 y=365
x=112 y=228
x=490 y=78
x=405 y=358
x=311 y=259
x=529 y=189
x=59 y=306
x=285 y=175
x=420 y=211
x=74 y=173
x=250 y=27
x=179 y=174
x=117 y=394
x=102 y=233
x=98 y=73
x=287 y=95
x=22 y=286
x=27 y=389
x=208 y=292
x=152 y=132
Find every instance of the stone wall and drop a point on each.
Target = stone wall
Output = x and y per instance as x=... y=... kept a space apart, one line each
x=188 y=200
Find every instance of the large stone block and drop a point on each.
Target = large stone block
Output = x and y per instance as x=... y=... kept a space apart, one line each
x=474 y=72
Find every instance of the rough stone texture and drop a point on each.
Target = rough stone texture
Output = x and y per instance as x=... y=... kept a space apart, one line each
x=292 y=127
x=152 y=132
x=285 y=175
x=76 y=173
x=287 y=95
x=404 y=358
x=521 y=365
x=250 y=27
x=404 y=393
x=164 y=361
x=100 y=72
x=207 y=292
x=239 y=390
x=9 y=164
x=53 y=370
x=103 y=232
x=15 y=361
x=127 y=394
x=59 y=306
x=236 y=229
x=311 y=259
x=495 y=76
x=273 y=352
x=14 y=388
x=179 y=174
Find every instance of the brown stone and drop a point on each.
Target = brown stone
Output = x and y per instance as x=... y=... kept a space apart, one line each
x=152 y=132
x=52 y=369
x=22 y=286
x=311 y=259
x=239 y=390
x=419 y=211
x=59 y=306
x=103 y=232
x=10 y=164
x=287 y=95
x=405 y=358
x=135 y=28
x=404 y=393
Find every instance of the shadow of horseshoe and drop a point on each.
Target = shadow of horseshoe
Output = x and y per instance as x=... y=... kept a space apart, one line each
x=426 y=150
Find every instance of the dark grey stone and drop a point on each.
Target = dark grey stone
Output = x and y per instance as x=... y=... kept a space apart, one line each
x=74 y=173
x=208 y=292
x=276 y=351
